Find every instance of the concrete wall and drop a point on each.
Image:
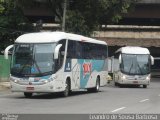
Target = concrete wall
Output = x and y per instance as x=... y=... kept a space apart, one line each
x=128 y=34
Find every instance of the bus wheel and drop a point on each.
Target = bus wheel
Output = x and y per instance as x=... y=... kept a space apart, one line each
x=144 y=86
x=96 y=88
x=115 y=83
x=27 y=95
x=120 y=85
x=67 y=89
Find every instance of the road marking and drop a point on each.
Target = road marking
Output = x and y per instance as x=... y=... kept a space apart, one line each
x=118 y=109
x=144 y=100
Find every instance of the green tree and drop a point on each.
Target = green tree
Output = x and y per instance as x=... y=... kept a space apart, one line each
x=94 y=13
x=85 y=16
x=12 y=23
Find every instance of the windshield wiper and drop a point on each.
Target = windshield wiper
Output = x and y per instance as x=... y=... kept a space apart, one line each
x=34 y=61
x=139 y=68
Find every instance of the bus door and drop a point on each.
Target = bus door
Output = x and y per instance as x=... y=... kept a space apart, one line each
x=72 y=63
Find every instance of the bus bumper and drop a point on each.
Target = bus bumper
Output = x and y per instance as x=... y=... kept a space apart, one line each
x=134 y=82
x=44 y=88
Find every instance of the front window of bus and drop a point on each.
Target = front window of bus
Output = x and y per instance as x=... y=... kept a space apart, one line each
x=33 y=59
x=135 y=64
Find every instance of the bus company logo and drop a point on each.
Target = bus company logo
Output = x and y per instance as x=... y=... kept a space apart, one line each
x=87 y=68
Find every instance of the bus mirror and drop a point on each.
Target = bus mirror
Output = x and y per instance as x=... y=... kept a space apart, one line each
x=152 y=60
x=120 y=59
x=6 y=51
x=56 y=52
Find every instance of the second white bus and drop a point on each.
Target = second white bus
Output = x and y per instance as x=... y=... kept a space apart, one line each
x=132 y=66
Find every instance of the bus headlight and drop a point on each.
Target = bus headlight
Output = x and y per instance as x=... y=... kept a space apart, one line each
x=46 y=81
x=147 y=78
x=14 y=80
x=123 y=77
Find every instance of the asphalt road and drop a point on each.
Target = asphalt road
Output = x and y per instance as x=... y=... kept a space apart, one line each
x=109 y=100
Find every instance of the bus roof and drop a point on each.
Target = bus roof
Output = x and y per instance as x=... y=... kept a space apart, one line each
x=133 y=50
x=49 y=37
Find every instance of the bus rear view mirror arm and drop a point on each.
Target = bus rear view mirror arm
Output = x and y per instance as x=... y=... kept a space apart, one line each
x=56 y=52
x=6 y=51
x=152 y=60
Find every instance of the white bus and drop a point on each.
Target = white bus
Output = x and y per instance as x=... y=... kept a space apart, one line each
x=49 y=62
x=132 y=66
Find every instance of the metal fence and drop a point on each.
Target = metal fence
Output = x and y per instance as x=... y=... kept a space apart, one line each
x=4 y=68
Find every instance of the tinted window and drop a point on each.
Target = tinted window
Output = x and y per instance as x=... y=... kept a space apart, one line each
x=84 y=50
x=94 y=51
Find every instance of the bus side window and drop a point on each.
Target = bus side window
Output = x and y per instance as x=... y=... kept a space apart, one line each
x=78 y=50
x=86 y=50
x=71 y=52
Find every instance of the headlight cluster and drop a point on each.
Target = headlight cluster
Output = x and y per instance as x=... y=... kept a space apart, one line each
x=148 y=78
x=123 y=77
x=49 y=80
x=14 y=80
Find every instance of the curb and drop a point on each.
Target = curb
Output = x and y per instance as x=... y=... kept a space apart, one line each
x=4 y=86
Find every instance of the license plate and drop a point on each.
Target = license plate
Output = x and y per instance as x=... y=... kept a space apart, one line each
x=135 y=82
x=29 y=88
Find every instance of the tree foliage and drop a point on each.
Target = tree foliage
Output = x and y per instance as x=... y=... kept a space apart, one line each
x=95 y=13
x=85 y=16
x=12 y=23
x=82 y=17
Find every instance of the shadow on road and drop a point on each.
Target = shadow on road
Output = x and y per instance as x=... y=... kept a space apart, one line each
x=56 y=95
x=155 y=79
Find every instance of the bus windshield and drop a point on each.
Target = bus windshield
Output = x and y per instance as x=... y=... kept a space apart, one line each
x=135 y=64
x=33 y=59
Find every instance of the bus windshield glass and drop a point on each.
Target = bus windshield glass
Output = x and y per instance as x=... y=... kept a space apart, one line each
x=135 y=64
x=33 y=60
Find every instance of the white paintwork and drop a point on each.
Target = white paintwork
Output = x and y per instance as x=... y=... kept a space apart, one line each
x=133 y=50
x=49 y=37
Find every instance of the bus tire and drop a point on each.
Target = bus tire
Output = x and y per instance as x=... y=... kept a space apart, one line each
x=28 y=95
x=66 y=92
x=144 y=86
x=97 y=86
x=96 y=89
x=115 y=83
x=120 y=85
